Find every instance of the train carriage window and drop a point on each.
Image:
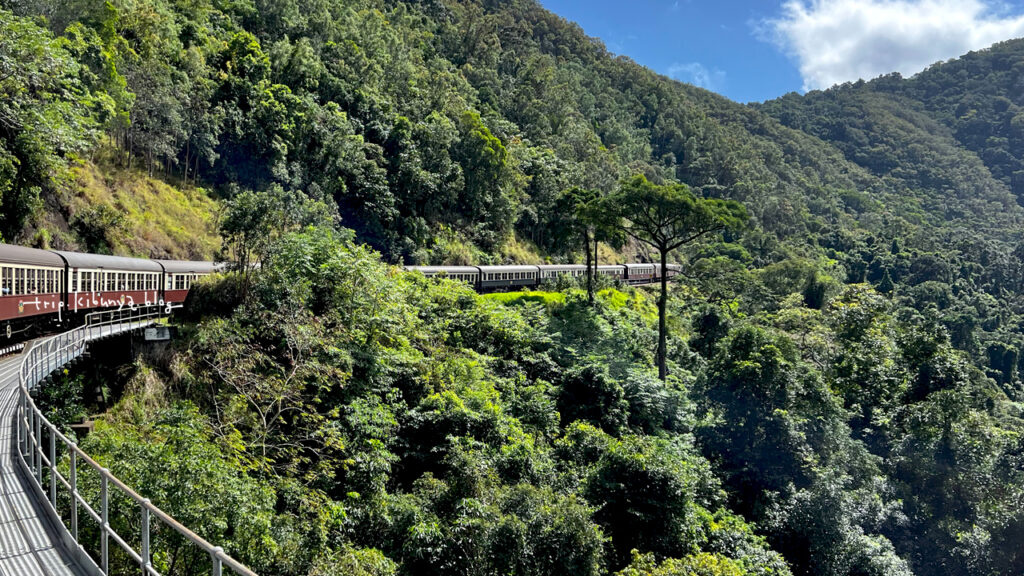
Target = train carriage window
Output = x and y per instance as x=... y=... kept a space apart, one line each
x=47 y=287
x=19 y=281
x=7 y=286
x=122 y=281
x=30 y=281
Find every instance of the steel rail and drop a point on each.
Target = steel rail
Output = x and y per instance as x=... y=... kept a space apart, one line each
x=42 y=359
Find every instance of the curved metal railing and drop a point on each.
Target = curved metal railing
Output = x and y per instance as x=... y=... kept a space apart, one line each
x=39 y=458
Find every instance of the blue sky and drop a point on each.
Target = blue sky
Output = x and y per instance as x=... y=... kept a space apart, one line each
x=753 y=50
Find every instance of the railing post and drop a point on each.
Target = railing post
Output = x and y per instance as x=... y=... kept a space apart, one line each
x=18 y=415
x=215 y=555
x=53 y=466
x=105 y=528
x=74 y=493
x=145 y=536
x=28 y=437
x=38 y=447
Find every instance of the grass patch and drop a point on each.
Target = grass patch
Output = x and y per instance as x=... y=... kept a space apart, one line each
x=636 y=300
x=155 y=219
x=550 y=300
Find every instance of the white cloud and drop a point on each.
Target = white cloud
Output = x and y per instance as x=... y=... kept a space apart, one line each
x=835 y=41
x=697 y=74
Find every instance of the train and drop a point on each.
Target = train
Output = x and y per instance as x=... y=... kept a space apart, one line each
x=56 y=287
x=498 y=277
x=40 y=287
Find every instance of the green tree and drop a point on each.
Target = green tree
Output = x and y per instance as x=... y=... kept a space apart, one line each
x=252 y=221
x=46 y=116
x=580 y=206
x=666 y=218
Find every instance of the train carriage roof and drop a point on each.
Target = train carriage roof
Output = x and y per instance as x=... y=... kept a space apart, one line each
x=562 y=267
x=102 y=261
x=10 y=254
x=635 y=266
x=500 y=269
x=191 y=267
x=446 y=269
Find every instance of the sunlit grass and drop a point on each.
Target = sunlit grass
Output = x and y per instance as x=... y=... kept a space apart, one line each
x=160 y=220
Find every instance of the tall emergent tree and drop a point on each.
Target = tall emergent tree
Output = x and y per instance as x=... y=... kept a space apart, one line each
x=666 y=218
x=588 y=222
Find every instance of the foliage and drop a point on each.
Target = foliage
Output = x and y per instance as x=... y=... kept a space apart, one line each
x=844 y=378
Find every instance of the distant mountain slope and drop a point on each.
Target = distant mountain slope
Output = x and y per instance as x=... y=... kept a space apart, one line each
x=440 y=125
x=957 y=126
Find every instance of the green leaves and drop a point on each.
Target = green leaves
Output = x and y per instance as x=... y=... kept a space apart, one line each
x=670 y=216
x=46 y=116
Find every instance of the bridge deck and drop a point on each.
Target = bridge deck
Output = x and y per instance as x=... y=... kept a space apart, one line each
x=29 y=543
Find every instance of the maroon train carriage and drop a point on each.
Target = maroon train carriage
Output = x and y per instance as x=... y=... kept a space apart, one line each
x=640 y=273
x=508 y=276
x=31 y=284
x=100 y=281
x=468 y=274
x=552 y=272
x=180 y=274
x=617 y=271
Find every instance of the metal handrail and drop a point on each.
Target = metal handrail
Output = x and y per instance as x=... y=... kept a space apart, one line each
x=43 y=358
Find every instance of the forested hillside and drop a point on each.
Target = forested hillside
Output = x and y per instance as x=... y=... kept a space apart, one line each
x=844 y=390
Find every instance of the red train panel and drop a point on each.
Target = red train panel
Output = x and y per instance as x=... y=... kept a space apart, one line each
x=175 y=296
x=79 y=301
x=24 y=306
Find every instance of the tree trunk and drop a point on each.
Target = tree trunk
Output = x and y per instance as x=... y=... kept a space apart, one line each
x=590 y=267
x=662 y=324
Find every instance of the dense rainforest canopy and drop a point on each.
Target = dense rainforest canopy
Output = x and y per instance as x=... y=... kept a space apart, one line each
x=844 y=371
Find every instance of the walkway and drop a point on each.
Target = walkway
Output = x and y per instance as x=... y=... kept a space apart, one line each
x=29 y=543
